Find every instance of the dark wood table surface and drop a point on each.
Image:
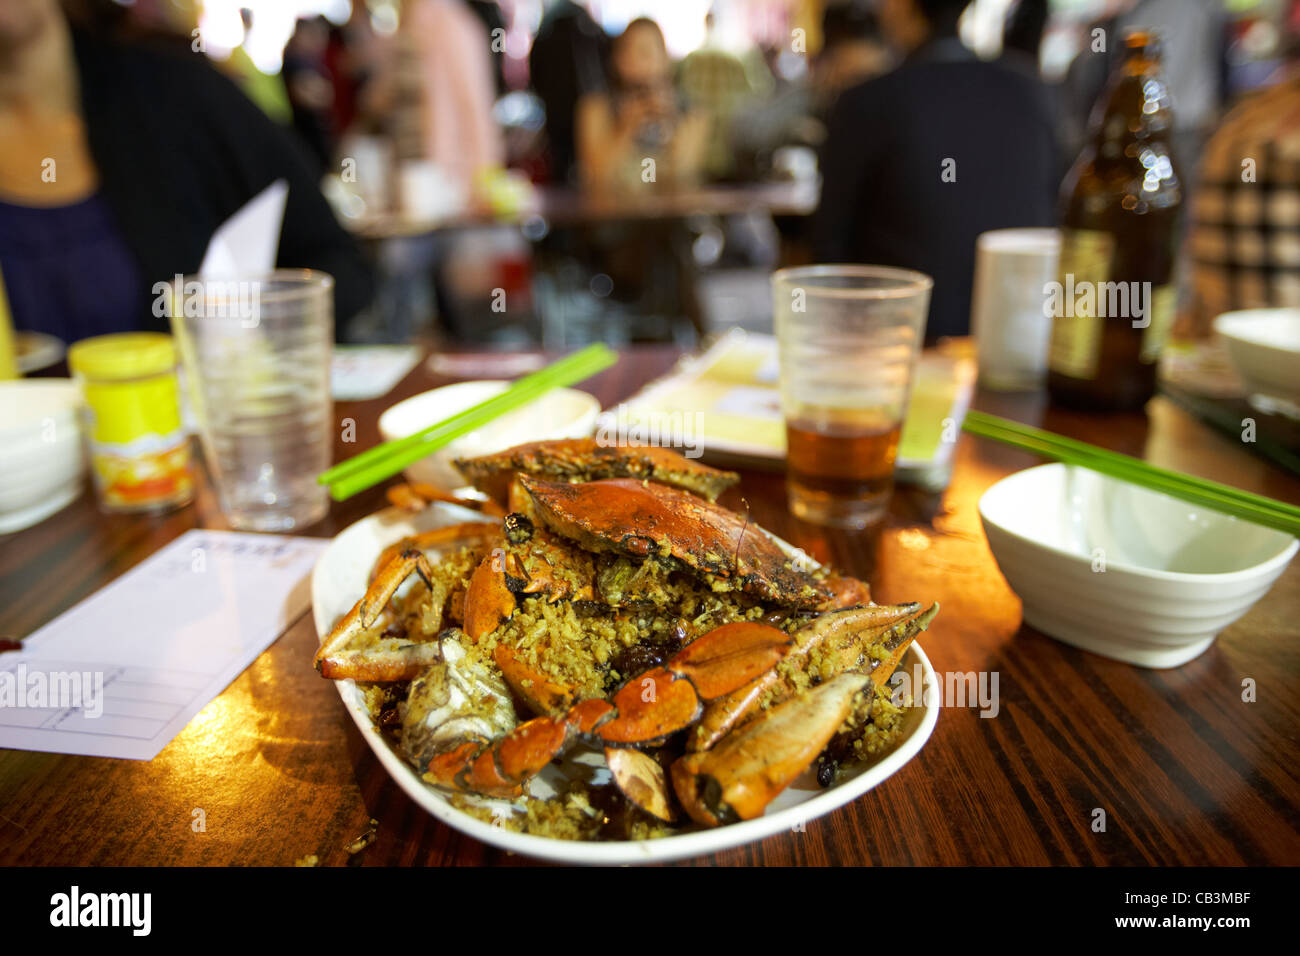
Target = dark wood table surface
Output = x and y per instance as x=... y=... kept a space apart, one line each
x=1186 y=772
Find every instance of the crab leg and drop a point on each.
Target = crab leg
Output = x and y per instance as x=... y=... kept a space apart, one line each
x=436 y=537
x=643 y=711
x=418 y=495
x=350 y=651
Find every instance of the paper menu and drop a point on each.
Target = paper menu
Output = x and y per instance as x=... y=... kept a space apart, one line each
x=124 y=671
x=733 y=388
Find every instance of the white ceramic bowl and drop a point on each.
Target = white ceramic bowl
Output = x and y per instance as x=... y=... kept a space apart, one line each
x=1175 y=574
x=560 y=413
x=42 y=463
x=1264 y=345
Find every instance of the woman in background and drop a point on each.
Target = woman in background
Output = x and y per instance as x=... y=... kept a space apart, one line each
x=639 y=118
x=120 y=161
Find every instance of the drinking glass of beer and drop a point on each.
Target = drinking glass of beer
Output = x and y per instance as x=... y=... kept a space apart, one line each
x=848 y=338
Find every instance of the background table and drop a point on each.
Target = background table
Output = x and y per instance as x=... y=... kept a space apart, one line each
x=1186 y=771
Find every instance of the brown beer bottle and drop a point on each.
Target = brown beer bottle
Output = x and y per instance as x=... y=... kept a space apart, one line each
x=1113 y=304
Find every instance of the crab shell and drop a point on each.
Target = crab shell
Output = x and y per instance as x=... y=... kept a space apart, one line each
x=586 y=459
x=641 y=519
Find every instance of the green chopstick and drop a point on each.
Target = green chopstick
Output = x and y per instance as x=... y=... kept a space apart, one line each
x=370 y=467
x=1242 y=504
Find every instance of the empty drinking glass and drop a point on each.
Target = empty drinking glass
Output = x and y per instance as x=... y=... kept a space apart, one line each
x=256 y=353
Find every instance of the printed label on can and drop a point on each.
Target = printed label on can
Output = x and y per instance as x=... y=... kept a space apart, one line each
x=151 y=470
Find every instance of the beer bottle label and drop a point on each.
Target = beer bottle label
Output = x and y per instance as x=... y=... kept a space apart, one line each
x=1076 y=322
x=1163 y=301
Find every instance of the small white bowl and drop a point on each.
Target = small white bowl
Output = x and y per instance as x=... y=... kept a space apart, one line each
x=43 y=463
x=560 y=413
x=1175 y=574
x=1264 y=346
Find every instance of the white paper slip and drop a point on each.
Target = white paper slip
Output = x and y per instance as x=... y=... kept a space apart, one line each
x=362 y=372
x=246 y=243
x=124 y=671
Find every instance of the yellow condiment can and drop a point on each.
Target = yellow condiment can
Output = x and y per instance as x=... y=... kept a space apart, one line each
x=139 y=451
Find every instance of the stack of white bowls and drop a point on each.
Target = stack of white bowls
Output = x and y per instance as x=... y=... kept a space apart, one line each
x=42 y=463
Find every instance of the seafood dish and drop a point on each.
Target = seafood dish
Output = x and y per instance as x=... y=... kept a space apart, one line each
x=607 y=613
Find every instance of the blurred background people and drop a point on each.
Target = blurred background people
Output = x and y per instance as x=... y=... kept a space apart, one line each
x=566 y=63
x=120 y=160
x=918 y=162
x=311 y=89
x=454 y=74
x=639 y=119
x=1244 y=242
x=853 y=51
x=1026 y=23
x=264 y=89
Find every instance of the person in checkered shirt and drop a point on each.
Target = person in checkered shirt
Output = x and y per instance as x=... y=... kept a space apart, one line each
x=1244 y=241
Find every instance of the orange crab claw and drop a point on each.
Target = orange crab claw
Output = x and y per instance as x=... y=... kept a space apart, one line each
x=846 y=633
x=743 y=774
x=501 y=768
x=651 y=706
x=488 y=602
x=730 y=656
x=666 y=699
x=538 y=691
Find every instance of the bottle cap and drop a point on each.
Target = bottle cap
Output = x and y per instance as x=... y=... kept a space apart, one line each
x=123 y=356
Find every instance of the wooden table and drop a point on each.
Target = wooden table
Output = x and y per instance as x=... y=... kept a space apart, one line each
x=1186 y=772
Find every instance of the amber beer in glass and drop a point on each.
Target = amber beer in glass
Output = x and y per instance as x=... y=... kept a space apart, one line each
x=848 y=339
x=1113 y=303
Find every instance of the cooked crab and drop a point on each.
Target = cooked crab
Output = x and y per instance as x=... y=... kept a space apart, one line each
x=628 y=613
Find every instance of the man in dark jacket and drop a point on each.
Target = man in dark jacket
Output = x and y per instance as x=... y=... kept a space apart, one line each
x=919 y=162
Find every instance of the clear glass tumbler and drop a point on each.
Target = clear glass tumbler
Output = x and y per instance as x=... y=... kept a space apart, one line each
x=256 y=353
x=848 y=338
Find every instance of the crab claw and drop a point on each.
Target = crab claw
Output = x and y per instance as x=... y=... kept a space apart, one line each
x=488 y=601
x=666 y=699
x=844 y=640
x=746 y=771
x=502 y=768
x=642 y=779
x=352 y=650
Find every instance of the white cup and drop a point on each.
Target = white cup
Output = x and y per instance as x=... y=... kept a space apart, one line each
x=1012 y=333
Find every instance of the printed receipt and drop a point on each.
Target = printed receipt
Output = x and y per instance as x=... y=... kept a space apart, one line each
x=124 y=671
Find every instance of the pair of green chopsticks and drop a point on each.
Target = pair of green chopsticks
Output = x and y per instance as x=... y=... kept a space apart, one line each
x=1210 y=494
x=382 y=462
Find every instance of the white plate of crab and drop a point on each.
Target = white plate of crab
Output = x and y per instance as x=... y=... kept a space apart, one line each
x=340 y=578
